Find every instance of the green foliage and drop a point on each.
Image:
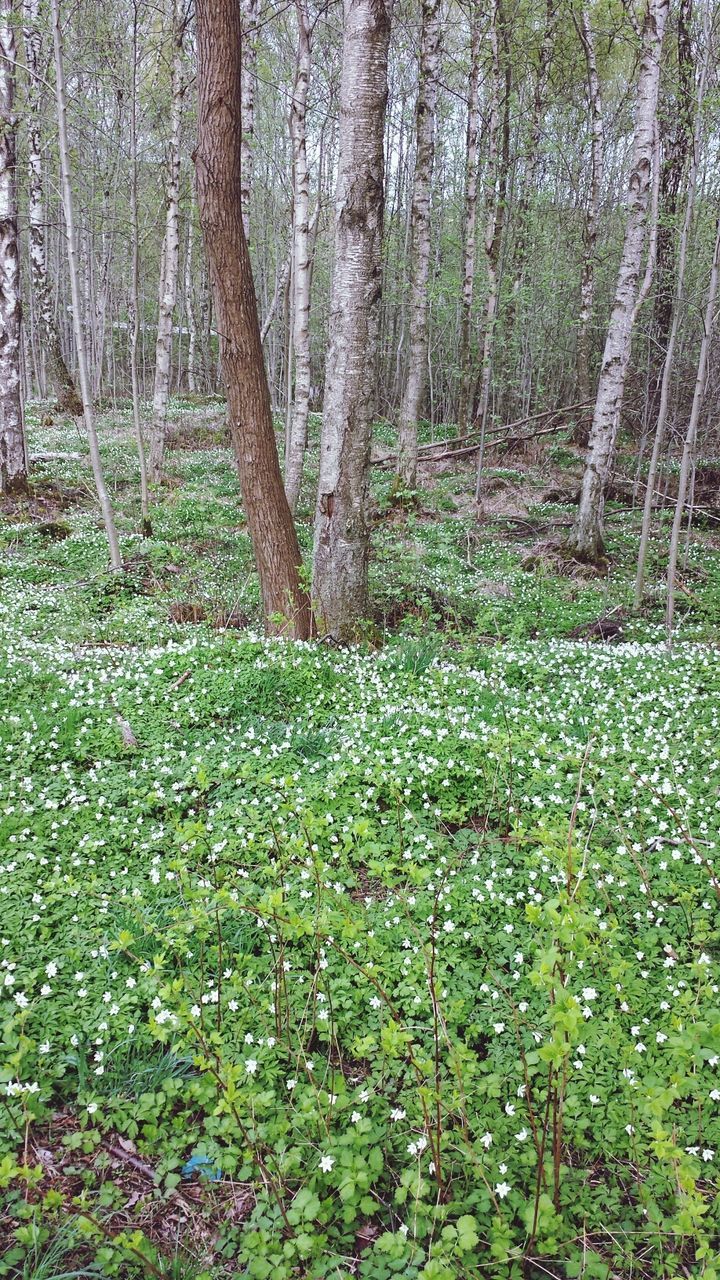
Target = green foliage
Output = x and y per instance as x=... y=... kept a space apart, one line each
x=418 y=946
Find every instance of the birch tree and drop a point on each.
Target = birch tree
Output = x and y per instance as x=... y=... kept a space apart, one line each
x=134 y=302
x=690 y=441
x=218 y=170
x=592 y=216
x=587 y=536
x=300 y=271
x=341 y=526
x=669 y=357
x=469 y=226
x=495 y=200
x=76 y=294
x=521 y=217
x=676 y=130
x=56 y=366
x=190 y=313
x=250 y=20
x=13 y=460
x=170 y=258
x=420 y=212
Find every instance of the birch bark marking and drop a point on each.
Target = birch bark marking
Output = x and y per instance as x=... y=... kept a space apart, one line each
x=13 y=459
x=297 y=438
x=170 y=255
x=250 y=19
x=417 y=357
x=587 y=536
x=60 y=375
x=592 y=217
x=469 y=225
x=72 y=248
x=217 y=165
x=341 y=529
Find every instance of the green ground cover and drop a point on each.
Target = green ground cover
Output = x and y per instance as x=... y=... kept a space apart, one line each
x=313 y=963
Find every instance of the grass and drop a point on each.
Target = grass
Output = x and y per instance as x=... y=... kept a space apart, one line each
x=414 y=946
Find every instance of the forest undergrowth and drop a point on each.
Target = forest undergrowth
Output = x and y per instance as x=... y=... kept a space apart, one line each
x=394 y=960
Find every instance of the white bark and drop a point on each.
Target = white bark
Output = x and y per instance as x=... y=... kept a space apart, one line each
x=298 y=411
x=13 y=458
x=587 y=536
x=102 y=290
x=688 y=454
x=420 y=211
x=669 y=360
x=72 y=247
x=281 y=285
x=531 y=181
x=57 y=367
x=341 y=529
x=170 y=255
x=250 y=18
x=134 y=306
x=496 y=190
x=191 y=318
x=592 y=217
x=469 y=225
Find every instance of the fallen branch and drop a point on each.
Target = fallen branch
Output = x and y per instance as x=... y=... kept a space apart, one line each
x=498 y=435
x=56 y=457
x=510 y=426
x=490 y=443
x=135 y=1163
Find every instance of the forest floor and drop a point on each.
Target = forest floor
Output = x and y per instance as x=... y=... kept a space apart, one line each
x=398 y=960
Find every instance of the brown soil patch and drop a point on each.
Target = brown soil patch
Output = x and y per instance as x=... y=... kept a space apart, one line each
x=181 y=1219
x=45 y=502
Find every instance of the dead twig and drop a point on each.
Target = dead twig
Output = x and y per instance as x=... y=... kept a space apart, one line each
x=185 y=676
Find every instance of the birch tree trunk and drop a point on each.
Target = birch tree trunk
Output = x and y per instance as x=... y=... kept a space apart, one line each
x=677 y=141
x=13 y=457
x=134 y=305
x=669 y=359
x=250 y=20
x=60 y=375
x=206 y=321
x=170 y=255
x=102 y=291
x=592 y=217
x=300 y=275
x=341 y=528
x=80 y=342
x=190 y=305
x=689 y=445
x=531 y=181
x=281 y=285
x=420 y=211
x=469 y=226
x=587 y=536
x=496 y=196
x=218 y=167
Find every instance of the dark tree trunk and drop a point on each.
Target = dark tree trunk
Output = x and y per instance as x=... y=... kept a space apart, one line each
x=217 y=160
